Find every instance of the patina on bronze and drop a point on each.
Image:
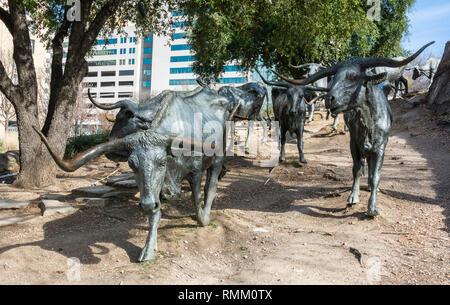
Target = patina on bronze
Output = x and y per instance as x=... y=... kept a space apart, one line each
x=366 y=112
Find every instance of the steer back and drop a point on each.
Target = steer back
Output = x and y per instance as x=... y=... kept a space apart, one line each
x=250 y=97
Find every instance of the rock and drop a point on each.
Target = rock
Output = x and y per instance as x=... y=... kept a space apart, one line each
x=53 y=196
x=93 y=202
x=118 y=194
x=50 y=207
x=93 y=191
x=12 y=204
x=439 y=93
x=10 y=161
x=127 y=184
x=123 y=177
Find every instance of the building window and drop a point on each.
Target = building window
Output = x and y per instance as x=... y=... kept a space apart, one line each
x=147 y=50
x=181 y=82
x=181 y=70
x=148 y=72
x=107 y=95
x=148 y=39
x=132 y=39
x=233 y=80
x=147 y=61
x=182 y=58
x=123 y=40
x=131 y=61
x=90 y=85
x=106 y=41
x=122 y=62
x=102 y=63
x=146 y=84
x=123 y=51
x=180 y=47
x=32 y=46
x=125 y=94
x=177 y=13
x=132 y=50
x=107 y=84
x=92 y=74
x=126 y=72
x=179 y=36
x=108 y=73
x=103 y=52
x=178 y=24
x=128 y=83
x=232 y=69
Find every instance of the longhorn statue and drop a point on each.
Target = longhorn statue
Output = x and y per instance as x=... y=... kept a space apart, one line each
x=366 y=112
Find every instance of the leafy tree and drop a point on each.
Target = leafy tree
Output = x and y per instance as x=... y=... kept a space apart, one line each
x=47 y=19
x=275 y=33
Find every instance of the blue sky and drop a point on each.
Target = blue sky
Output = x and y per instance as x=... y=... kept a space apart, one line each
x=429 y=20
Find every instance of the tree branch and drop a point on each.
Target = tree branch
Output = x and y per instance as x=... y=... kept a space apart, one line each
x=7 y=20
x=6 y=85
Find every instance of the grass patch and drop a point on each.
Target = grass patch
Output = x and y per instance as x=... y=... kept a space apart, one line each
x=79 y=144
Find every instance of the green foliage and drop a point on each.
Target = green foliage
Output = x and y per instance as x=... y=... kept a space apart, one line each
x=1 y=147
x=277 y=33
x=79 y=144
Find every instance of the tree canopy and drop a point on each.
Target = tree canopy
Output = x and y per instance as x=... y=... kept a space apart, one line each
x=276 y=33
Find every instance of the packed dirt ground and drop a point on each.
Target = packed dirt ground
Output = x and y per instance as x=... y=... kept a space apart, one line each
x=288 y=226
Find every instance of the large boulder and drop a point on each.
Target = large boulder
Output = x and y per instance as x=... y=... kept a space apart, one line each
x=10 y=161
x=439 y=94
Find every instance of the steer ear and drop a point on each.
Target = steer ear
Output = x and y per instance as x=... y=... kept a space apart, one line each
x=376 y=79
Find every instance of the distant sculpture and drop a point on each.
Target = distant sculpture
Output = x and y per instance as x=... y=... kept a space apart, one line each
x=429 y=69
x=393 y=76
x=366 y=112
x=289 y=107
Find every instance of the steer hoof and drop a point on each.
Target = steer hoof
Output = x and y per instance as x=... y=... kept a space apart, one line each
x=353 y=199
x=303 y=160
x=146 y=255
x=373 y=213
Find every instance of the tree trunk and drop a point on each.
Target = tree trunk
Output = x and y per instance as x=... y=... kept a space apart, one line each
x=439 y=94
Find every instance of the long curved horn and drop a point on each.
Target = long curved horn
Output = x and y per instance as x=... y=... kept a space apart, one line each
x=233 y=112
x=119 y=104
x=84 y=157
x=110 y=118
x=387 y=62
x=313 y=78
x=314 y=88
x=298 y=67
x=277 y=84
x=315 y=99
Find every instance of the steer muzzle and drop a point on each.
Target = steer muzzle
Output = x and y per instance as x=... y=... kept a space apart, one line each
x=150 y=206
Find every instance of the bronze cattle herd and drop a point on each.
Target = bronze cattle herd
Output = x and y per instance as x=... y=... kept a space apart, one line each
x=148 y=135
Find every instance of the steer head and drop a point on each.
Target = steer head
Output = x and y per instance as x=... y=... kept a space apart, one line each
x=127 y=121
x=296 y=93
x=349 y=77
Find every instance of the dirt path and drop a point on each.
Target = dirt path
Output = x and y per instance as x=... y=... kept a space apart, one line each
x=291 y=229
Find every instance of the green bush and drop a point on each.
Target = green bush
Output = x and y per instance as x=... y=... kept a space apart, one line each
x=79 y=144
x=1 y=147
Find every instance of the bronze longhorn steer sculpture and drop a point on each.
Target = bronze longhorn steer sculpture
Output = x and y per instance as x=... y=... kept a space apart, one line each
x=289 y=107
x=366 y=112
x=156 y=159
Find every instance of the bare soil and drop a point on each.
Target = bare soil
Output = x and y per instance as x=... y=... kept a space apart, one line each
x=290 y=226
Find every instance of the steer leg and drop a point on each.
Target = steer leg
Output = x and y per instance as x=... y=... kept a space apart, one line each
x=299 y=134
x=196 y=186
x=151 y=246
x=264 y=126
x=283 y=143
x=249 y=132
x=375 y=163
x=311 y=109
x=336 y=122
x=212 y=178
x=358 y=171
